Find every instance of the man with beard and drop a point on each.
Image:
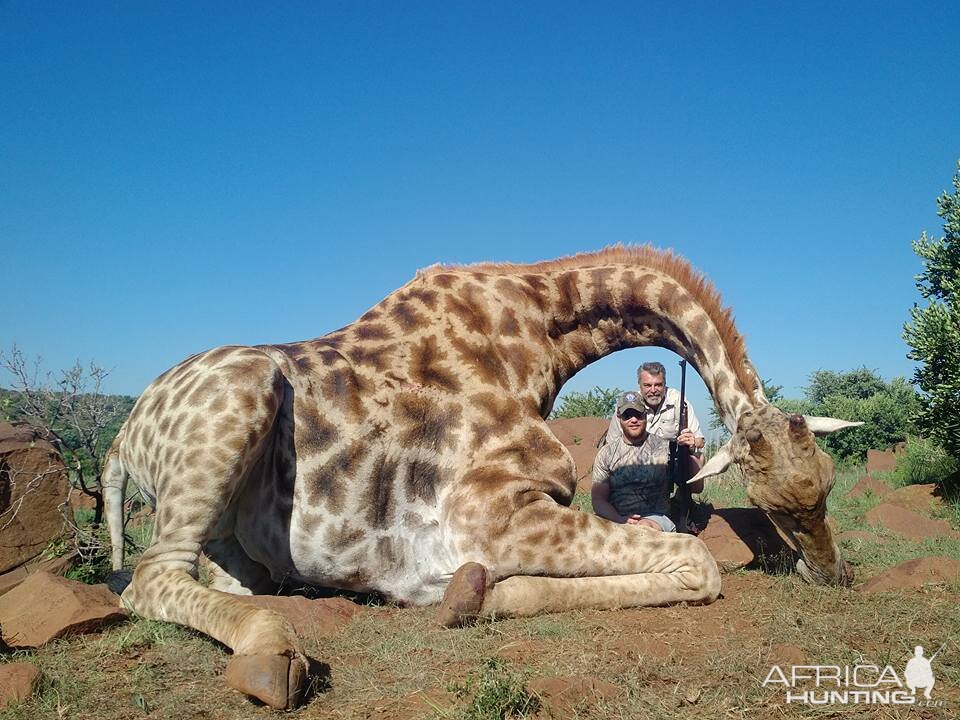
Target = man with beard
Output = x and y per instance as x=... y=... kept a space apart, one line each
x=662 y=406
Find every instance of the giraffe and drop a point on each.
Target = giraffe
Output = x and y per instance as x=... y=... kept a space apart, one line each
x=407 y=454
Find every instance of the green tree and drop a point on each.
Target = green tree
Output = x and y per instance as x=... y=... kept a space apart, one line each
x=886 y=413
x=885 y=408
x=933 y=332
x=861 y=384
x=773 y=393
x=598 y=402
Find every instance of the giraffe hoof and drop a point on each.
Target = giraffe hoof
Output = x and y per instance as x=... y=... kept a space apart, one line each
x=464 y=595
x=275 y=680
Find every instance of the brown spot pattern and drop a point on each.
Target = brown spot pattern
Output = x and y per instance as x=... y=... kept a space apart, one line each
x=407 y=316
x=314 y=434
x=378 y=498
x=426 y=366
x=422 y=480
x=468 y=306
x=426 y=423
x=483 y=358
x=509 y=327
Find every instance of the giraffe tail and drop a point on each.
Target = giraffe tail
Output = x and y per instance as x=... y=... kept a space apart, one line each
x=113 y=482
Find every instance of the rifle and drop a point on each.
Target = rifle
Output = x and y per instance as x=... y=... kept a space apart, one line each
x=680 y=461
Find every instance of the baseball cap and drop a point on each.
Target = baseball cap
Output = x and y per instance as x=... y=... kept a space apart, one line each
x=631 y=401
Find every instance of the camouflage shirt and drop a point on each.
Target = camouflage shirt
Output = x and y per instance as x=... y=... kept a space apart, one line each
x=638 y=475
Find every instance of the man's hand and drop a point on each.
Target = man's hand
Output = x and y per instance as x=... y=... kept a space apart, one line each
x=689 y=439
x=644 y=522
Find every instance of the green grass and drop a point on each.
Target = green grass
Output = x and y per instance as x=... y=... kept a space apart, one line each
x=494 y=692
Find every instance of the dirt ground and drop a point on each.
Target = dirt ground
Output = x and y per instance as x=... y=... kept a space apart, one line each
x=387 y=662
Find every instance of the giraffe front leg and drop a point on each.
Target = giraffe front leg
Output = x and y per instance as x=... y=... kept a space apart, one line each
x=547 y=558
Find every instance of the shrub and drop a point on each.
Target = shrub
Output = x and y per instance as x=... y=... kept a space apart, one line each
x=923 y=461
x=599 y=402
x=497 y=693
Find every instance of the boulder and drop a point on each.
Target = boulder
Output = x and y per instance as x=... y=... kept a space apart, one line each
x=310 y=618
x=869 y=484
x=881 y=461
x=939 y=570
x=17 y=682
x=919 y=498
x=579 y=431
x=579 y=436
x=563 y=697
x=737 y=537
x=33 y=484
x=907 y=523
x=45 y=607
x=55 y=566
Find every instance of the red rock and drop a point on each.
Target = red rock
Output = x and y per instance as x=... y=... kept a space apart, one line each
x=33 y=484
x=906 y=522
x=786 y=655
x=17 y=682
x=317 y=618
x=919 y=498
x=79 y=500
x=579 y=431
x=579 y=436
x=737 y=537
x=562 y=696
x=868 y=484
x=45 y=607
x=915 y=574
x=415 y=706
x=881 y=461
x=54 y=566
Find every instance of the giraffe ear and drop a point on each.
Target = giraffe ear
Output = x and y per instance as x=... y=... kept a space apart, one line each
x=715 y=465
x=826 y=425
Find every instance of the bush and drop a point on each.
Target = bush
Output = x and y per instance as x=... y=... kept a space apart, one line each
x=496 y=694
x=886 y=414
x=923 y=461
x=599 y=402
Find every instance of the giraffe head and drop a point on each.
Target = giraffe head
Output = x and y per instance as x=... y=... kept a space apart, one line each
x=789 y=477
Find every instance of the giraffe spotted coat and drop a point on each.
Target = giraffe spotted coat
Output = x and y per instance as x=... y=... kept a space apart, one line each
x=385 y=455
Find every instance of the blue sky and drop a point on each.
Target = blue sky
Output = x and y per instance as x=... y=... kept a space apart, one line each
x=176 y=176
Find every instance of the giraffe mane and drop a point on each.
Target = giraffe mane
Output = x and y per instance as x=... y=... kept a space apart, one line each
x=665 y=261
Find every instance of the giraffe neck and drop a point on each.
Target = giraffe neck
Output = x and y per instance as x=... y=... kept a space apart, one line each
x=572 y=312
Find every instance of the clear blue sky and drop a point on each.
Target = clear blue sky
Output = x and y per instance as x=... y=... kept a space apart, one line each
x=176 y=176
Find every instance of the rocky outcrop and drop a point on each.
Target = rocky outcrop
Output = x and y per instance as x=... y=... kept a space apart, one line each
x=914 y=574
x=738 y=537
x=311 y=618
x=33 y=484
x=907 y=523
x=881 y=461
x=869 y=485
x=45 y=607
x=579 y=436
x=18 y=681
x=55 y=566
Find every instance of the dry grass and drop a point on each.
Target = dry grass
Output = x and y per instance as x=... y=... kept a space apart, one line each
x=675 y=662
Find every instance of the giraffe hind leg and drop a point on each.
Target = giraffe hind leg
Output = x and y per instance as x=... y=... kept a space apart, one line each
x=192 y=494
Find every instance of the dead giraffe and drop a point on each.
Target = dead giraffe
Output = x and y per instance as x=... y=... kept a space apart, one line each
x=387 y=454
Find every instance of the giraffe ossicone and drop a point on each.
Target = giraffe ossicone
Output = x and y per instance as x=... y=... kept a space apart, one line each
x=387 y=454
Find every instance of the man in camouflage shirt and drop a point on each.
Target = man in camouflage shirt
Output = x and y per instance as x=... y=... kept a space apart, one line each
x=662 y=406
x=631 y=474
